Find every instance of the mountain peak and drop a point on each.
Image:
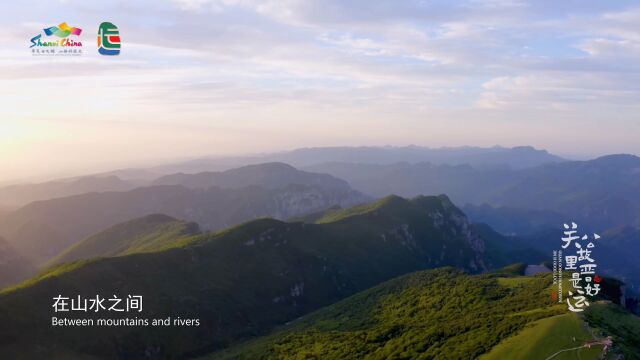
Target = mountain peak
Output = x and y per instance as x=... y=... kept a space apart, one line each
x=148 y=233
x=618 y=159
x=156 y=218
x=394 y=206
x=271 y=166
x=390 y=200
x=270 y=175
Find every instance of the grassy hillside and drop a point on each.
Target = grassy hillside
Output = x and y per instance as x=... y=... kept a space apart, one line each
x=438 y=314
x=149 y=233
x=546 y=337
x=609 y=319
x=240 y=282
x=446 y=314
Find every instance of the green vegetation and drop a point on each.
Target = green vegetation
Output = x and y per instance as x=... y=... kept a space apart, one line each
x=546 y=337
x=611 y=320
x=437 y=314
x=446 y=314
x=316 y=216
x=515 y=282
x=390 y=202
x=149 y=233
x=247 y=281
x=241 y=282
x=513 y=269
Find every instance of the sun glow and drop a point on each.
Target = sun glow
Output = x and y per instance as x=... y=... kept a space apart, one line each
x=10 y=130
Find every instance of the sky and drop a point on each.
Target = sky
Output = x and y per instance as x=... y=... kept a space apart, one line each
x=215 y=77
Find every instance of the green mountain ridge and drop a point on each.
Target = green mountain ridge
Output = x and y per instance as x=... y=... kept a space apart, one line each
x=446 y=314
x=242 y=281
x=149 y=233
x=499 y=249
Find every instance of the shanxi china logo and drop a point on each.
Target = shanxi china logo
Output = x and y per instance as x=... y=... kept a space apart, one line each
x=108 y=39
x=58 y=41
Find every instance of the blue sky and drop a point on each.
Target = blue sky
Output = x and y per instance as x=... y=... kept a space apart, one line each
x=201 y=77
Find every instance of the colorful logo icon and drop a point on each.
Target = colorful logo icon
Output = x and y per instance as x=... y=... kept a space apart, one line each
x=57 y=41
x=108 y=39
x=62 y=31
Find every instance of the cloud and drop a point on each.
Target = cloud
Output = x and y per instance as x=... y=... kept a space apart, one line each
x=279 y=48
x=407 y=64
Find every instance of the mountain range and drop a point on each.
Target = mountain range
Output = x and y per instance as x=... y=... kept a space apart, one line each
x=266 y=175
x=604 y=192
x=489 y=157
x=42 y=229
x=278 y=262
x=125 y=179
x=242 y=281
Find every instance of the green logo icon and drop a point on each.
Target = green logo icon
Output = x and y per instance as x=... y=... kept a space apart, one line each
x=108 y=39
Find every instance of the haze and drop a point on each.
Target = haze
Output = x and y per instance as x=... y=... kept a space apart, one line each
x=199 y=77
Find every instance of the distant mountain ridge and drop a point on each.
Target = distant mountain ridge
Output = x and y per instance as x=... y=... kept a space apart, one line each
x=13 y=266
x=491 y=157
x=604 y=192
x=497 y=156
x=615 y=255
x=22 y=194
x=268 y=175
x=482 y=157
x=454 y=160
x=42 y=229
